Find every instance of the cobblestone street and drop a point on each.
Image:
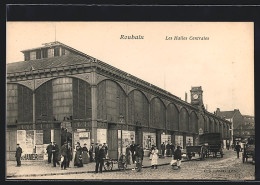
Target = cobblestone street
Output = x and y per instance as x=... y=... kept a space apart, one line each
x=226 y=168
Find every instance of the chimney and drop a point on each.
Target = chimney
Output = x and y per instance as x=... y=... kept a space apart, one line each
x=186 y=96
x=206 y=107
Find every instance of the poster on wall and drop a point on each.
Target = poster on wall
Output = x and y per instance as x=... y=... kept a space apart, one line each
x=166 y=139
x=29 y=142
x=179 y=140
x=149 y=139
x=21 y=139
x=82 y=138
x=189 y=141
x=128 y=138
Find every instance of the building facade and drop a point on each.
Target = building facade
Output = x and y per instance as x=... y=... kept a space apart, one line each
x=60 y=94
x=242 y=126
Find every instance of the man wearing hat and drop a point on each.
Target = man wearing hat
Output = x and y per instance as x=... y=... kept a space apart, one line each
x=49 y=152
x=96 y=150
x=64 y=153
x=139 y=153
x=55 y=153
x=91 y=149
x=100 y=156
x=18 y=154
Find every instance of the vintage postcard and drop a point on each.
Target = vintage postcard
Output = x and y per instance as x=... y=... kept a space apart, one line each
x=130 y=100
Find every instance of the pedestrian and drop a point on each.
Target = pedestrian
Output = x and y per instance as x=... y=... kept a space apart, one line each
x=228 y=145
x=79 y=147
x=49 y=152
x=237 y=149
x=78 y=158
x=18 y=155
x=69 y=155
x=96 y=149
x=64 y=154
x=106 y=149
x=127 y=153
x=100 y=157
x=139 y=157
x=172 y=148
x=154 y=162
x=177 y=156
x=85 y=158
x=163 y=148
x=91 y=150
x=55 y=154
x=132 y=149
x=168 y=149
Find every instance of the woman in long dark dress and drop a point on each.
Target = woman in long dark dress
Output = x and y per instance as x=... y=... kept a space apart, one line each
x=78 y=157
x=85 y=158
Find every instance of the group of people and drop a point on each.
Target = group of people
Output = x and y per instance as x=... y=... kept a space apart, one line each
x=136 y=152
x=83 y=155
x=65 y=154
x=154 y=155
x=169 y=149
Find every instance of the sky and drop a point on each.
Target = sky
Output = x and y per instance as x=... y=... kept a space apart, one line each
x=222 y=65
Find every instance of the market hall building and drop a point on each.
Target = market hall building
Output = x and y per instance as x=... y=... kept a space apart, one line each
x=60 y=94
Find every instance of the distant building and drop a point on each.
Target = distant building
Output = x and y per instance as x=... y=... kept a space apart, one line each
x=242 y=125
x=247 y=130
x=61 y=94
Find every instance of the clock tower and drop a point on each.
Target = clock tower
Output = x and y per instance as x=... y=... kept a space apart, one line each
x=196 y=96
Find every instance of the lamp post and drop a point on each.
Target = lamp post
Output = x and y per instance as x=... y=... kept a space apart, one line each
x=121 y=120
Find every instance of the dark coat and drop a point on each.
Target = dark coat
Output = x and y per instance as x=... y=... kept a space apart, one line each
x=64 y=150
x=55 y=150
x=18 y=152
x=100 y=154
x=85 y=149
x=132 y=148
x=49 y=149
x=163 y=146
x=96 y=152
x=177 y=154
x=139 y=152
x=237 y=148
x=168 y=146
x=70 y=153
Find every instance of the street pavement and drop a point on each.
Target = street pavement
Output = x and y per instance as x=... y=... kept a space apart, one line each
x=226 y=168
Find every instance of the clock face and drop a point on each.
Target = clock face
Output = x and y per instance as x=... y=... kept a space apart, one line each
x=195 y=96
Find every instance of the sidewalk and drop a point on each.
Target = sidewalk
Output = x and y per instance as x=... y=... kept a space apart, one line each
x=42 y=168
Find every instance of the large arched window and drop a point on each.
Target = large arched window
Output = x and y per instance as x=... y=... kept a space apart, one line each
x=193 y=123
x=138 y=108
x=172 y=117
x=158 y=116
x=62 y=98
x=44 y=102
x=184 y=120
x=111 y=101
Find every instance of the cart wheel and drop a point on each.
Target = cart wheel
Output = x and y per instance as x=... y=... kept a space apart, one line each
x=108 y=165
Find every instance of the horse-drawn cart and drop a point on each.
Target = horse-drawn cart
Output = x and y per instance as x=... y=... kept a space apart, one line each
x=213 y=143
x=249 y=150
x=209 y=144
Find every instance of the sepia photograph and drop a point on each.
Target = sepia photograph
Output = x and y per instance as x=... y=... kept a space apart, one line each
x=130 y=100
